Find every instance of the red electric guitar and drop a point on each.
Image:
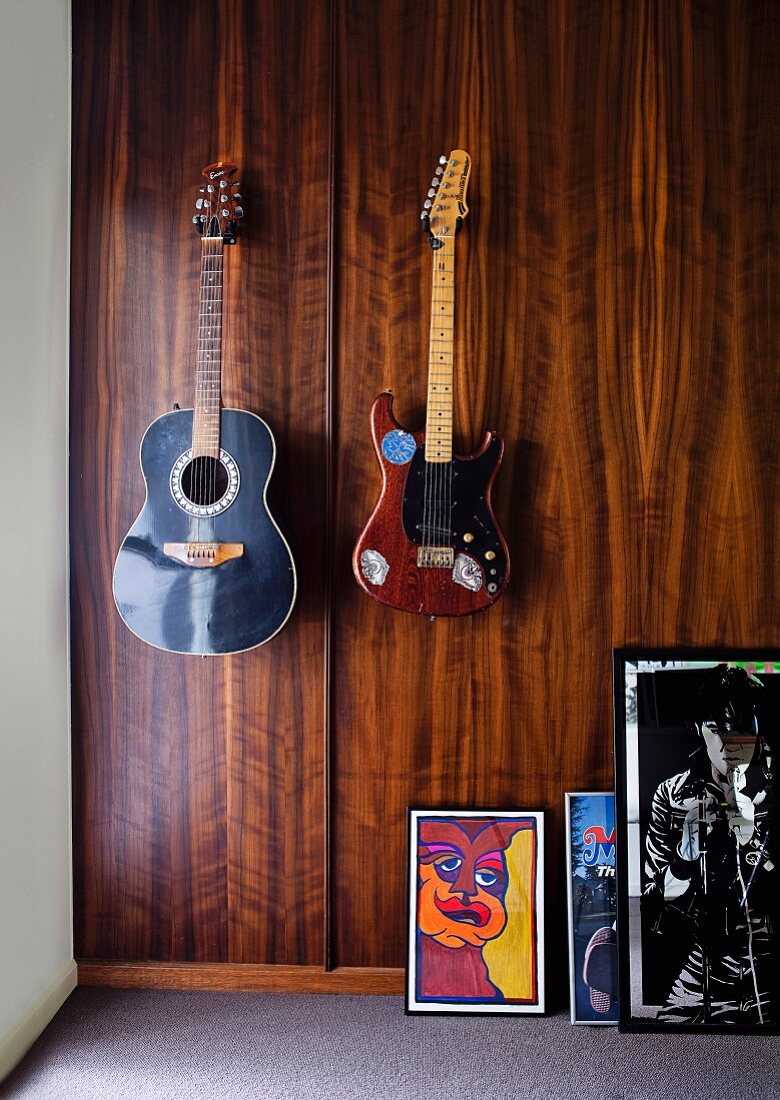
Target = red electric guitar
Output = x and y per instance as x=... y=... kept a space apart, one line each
x=432 y=545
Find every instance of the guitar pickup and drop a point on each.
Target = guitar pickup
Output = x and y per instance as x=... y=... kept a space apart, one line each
x=203 y=555
x=435 y=557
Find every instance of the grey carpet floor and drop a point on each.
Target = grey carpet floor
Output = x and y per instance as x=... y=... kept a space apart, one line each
x=125 y=1045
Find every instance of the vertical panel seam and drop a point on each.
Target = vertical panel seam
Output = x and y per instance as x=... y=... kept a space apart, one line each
x=330 y=446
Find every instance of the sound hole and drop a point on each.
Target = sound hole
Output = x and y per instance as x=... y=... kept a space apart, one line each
x=204 y=480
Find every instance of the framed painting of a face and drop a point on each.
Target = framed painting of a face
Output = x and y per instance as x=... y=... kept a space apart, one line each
x=696 y=820
x=475 y=912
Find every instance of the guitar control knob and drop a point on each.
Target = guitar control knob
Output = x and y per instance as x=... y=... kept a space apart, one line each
x=468 y=537
x=490 y=555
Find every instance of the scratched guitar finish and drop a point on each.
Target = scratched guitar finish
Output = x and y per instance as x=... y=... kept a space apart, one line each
x=432 y=545
x=204 y=569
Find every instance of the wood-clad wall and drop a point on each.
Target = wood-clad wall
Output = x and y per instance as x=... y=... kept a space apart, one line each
x=617 y=277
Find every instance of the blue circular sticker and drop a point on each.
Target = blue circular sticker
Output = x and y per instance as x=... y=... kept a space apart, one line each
x=398 y=447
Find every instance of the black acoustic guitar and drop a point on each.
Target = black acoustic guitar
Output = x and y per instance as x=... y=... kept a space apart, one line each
x=204 y=569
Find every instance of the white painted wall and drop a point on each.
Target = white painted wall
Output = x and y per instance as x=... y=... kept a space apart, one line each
x=36 y=944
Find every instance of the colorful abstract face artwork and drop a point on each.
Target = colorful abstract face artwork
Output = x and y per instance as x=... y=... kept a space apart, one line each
x=475 y=912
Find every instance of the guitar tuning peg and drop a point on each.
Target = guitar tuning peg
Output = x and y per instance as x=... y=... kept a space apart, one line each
x=423 y=216
x=196 y=219
x=435 y=181
x=238 y=211
x=202 y=190
x=198 y=204
x=442 y=159
x=439 y=170
x=236 y=198
x=431 y=192
x=427 y=204
x=235 y=183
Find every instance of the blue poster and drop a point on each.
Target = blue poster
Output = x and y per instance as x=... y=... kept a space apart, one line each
x=590 y=820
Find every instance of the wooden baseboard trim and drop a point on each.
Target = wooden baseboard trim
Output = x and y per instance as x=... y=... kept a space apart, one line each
x=243 y=977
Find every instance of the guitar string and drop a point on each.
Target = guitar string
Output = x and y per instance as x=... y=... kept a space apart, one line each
x=216 y=389
x=429 y=511
x=429 y=517
x=216 y=290
x=201 y=388
x=438 y=491
x=195 y=475
x=206 y=376
x=203 y=296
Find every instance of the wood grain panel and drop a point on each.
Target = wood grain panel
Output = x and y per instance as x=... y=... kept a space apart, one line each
x=612 y=288
x=191 y=777
x=614 y=321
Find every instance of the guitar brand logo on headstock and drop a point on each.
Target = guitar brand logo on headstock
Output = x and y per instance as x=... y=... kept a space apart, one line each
x=216 y=175
x=463 y=179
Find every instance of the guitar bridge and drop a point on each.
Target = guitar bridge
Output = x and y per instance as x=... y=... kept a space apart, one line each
x=435 y=557
x=202 y=555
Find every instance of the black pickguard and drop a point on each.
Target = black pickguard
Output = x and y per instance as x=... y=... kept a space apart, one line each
x=224 y=609
x=454 y=513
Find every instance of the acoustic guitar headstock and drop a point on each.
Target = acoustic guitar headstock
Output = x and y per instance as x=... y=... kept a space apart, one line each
x=217 y=204
x=445 y=206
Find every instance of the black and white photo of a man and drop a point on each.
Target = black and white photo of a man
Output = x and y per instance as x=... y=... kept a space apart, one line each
x=709 y=873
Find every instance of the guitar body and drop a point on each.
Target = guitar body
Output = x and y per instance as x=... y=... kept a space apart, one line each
x=222 y=608
x=385 y=559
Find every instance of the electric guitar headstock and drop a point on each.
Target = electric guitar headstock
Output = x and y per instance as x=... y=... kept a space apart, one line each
x=218 y=203
x=445 y=206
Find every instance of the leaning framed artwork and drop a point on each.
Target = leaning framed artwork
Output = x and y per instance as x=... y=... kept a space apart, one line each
x=475 y=912
x=590 y=863
x=696 y=822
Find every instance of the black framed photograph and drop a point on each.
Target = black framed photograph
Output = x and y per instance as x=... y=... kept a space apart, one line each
x=475 y=912
x=697 y=841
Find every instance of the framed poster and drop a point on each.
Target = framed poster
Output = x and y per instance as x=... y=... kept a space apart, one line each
x=475 y=912
x=698 y=881
x=590 y=861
